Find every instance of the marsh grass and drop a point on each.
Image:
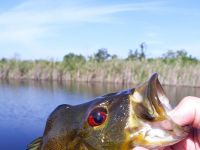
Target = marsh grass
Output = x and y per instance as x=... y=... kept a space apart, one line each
x=171 y=71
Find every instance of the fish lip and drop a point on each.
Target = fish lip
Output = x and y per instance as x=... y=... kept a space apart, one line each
x=156 y=137
x=150 y=105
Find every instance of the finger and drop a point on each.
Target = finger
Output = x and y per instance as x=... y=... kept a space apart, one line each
x=197 y=138
x=186 y=144
x=139 y=148
x=187 y=112
x=167 y=148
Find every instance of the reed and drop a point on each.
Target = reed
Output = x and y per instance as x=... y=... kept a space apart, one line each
x=172 y=71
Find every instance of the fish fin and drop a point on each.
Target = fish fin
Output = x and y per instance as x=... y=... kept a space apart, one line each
x=35 y=144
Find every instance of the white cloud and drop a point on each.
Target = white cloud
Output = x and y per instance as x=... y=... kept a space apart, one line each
x=21 y=35
x=36 y=12
x=34 y=18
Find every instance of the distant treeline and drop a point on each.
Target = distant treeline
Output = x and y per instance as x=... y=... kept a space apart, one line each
x=174 y=67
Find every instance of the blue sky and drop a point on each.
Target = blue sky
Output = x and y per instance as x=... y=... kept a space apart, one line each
x=35 y=29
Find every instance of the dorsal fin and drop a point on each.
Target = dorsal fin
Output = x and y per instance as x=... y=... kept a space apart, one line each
x=35 y=144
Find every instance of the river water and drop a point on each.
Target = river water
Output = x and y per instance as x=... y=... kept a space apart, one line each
x=25 y=105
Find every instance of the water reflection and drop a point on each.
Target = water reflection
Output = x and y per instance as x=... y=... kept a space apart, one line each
x=176 y=93
x=25 y=105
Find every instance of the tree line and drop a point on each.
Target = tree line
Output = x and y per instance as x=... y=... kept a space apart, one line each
x=175 y=67
x=139 y=54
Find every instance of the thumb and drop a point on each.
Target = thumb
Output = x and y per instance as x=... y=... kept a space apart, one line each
x=187 y=112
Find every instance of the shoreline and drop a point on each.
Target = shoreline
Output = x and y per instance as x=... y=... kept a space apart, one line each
x=115 y=71
x=89 y=82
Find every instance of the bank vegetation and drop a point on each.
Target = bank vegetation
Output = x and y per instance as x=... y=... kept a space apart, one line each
x=173 y=67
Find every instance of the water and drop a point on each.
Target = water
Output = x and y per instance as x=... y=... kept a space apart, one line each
x=25 y=106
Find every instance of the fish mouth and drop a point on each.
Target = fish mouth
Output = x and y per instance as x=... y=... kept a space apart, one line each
x=150 y=124
x=150 y=138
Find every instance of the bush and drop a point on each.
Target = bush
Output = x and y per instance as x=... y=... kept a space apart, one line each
x=72 y=61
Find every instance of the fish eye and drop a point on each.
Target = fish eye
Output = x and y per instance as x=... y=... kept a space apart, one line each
x=97 y=117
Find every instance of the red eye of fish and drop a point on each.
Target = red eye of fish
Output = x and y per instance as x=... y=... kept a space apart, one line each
x=97 y=117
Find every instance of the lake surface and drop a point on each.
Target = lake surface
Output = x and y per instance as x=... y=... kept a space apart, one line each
x=25 y=105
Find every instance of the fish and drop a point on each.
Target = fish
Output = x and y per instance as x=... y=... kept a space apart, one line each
x=116 y=121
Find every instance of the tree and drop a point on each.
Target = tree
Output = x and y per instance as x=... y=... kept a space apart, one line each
x=170 y=54
x=114 y=56
x=142 y=48
x=137 y=55
x=131 y=55
x=181 y=53
x=3 y=60
x=101 y=55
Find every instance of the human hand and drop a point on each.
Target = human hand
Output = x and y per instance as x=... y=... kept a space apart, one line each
x=186 y=113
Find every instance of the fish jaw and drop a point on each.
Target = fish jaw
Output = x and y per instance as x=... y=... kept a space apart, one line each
x=156 y=137
x=153 y=134
x=149 y=124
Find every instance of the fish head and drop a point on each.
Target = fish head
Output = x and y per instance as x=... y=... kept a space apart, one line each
x=121 y=120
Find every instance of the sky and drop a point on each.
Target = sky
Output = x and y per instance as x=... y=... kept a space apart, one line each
x=49 y=29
